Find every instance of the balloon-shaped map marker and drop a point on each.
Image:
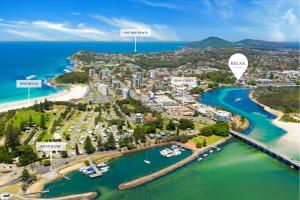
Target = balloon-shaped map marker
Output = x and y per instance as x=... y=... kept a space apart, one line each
x=238 y=64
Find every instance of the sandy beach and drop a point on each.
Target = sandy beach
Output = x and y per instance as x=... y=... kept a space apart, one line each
x=74 y=92
x=292 y=129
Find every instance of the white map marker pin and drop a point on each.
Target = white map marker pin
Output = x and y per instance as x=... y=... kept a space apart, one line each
x=238 y=64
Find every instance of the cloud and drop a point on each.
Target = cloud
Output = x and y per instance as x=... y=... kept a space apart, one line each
x=75 y=13
x=161 y=4
x=223 y=8
x=29 y=34
x=158 y=31
x=277 y=35
x=55 y=31
x=275 y=19
x=290 y=17
x=45 y=30
x=81 y=31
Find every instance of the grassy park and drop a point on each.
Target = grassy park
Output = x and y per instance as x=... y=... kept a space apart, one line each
x=209 y=139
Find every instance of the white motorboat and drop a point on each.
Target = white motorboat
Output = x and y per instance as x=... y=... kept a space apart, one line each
x=30 y=77
x=102 y=165
x=199 y=159
x=147 y=162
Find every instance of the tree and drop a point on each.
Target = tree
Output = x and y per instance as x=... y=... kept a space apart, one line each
x=207 y=130
x=204 y=142
x=22 y=126
x=198 y=145
x=171 y=126
x=73 y=77
x=220 y=128
x=64 y=154
x=111 y=141
x=99 y=144
x=36 y=107
x=41 y=107
x=30 y=121
x=42 y=122
x=77 y=149
x=88 y=146
x=196 y=90
x=47 y=105
x=125 y=141
x=46 y=162
x=25 y=175
x=149 y=128
x=138 y=133
x=6 y=157
x=185 y=124
x=11 y=137
x=26 y=155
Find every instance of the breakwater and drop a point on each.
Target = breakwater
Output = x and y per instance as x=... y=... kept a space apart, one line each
x=84 y=196
x=145 y=179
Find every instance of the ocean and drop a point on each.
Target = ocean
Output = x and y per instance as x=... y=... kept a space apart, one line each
x=48 y=59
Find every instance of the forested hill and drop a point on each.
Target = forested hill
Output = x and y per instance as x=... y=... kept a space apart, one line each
x=215 y=42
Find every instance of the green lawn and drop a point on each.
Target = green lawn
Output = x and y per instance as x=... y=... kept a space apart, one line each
x=24 y=114
x=210 y=139
x=47 y=137
x=198 y=125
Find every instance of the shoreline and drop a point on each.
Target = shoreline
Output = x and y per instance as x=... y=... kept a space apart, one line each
x=292 y=129
x=277 y=113
x=73 y=92
x=65 y=170
x=76 y=165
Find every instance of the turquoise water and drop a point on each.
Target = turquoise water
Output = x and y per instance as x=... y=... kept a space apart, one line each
x=123 y=169
x=238 y=171
x=47 y=59
x=261 y=127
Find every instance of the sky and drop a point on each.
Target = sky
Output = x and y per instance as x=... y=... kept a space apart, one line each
x=169 y=20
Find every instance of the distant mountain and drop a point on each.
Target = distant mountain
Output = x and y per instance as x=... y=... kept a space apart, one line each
x=215 y=42
x=260 y=44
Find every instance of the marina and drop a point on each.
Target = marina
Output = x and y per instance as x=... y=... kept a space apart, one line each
x=121 y=169
x=175 y=150
x=93 y=170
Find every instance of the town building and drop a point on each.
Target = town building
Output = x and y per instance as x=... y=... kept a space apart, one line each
x=105 y=73
x=103 y=89
x=153 y=73
x=139 y=75
x=136 y=83
x=125 y=93
x=221 y=115
x=139 y=118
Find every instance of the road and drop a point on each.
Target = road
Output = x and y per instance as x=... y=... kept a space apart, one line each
x=76 y=128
